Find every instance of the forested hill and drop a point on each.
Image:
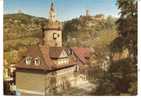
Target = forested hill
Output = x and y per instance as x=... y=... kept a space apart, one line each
x=22 y=30
x=21 y=25
x=89 y=31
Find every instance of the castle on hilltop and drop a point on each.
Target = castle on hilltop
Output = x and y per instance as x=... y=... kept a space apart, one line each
x=97 y=17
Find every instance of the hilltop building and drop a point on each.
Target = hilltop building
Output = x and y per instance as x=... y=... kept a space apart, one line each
x=49 y=68
x=87 y=12
x=88 y=15
x=19 y=11
x=99 y=17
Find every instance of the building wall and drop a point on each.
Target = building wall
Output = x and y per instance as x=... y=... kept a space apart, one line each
x=46 y=84
x=30 y=83
x=53 y=42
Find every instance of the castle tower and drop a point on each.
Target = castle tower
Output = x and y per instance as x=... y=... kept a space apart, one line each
x=19 y=11
x=52 y=29
x=87 y=12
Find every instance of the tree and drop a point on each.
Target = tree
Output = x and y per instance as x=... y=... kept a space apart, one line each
x=127 y=24
x=121 y=79
x=127 y=29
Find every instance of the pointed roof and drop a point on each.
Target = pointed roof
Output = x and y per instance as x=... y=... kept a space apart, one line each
x=52 y=8
x=52 y=23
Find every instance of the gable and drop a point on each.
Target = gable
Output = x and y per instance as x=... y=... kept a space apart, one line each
x=63 y=54
x=57 y=52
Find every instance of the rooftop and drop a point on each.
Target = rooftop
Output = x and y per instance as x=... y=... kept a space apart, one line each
x=45 y=55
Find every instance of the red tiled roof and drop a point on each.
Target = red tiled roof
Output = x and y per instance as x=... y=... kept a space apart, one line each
x=81 y=53
x=46 y=61
x=33 y=52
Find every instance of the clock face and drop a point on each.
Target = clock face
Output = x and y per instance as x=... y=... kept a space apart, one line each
x=55 y=35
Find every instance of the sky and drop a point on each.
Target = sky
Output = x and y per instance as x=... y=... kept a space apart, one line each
x=66 y=9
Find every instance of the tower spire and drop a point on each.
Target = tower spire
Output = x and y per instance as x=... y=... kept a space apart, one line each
x=52 y=8
x=52 y=29
x=52 y=11
x=87 y=12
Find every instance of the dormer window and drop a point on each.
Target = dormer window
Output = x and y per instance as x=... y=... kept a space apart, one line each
x=28 y=60
x=37 y=61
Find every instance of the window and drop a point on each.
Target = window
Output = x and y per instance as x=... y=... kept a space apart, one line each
x=28 y=60
x=66 y=61
x=59 y=63
x=37 y=61
x=63 y=61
